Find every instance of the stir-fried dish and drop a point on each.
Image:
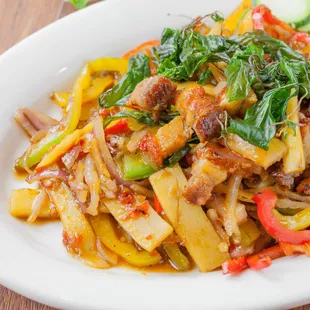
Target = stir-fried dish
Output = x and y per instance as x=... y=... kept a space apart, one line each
x=191 y=151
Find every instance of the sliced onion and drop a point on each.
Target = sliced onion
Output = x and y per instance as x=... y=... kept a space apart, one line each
x=140 y=190
x=24 y=122
x=70 y=157
x=136 y=136
x=105 y=253
x=100 y=165
x=37 y=205
x=230 y=219
x=92 y=180
x=39 y=135
x=290 y=204
x=107 y=158
x=213 y=217
x=38 y=119
x=235 y=158
x=47 y=174
x=78 y=186
x=242 y=251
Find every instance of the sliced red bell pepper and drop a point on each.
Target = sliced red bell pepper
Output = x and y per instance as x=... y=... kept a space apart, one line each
x=120 y=127
x=259 y=263
x=303 y=37
x=144 y=48
x=157 y=206
x=263 y=259
x=234 y=265
x=261 y=14
x=295 y=249
x=266 y=202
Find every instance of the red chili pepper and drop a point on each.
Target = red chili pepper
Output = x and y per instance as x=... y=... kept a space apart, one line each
x=157 y=206
x=261 y=13
x=120 y=127
x=266 y=202
x=259 y=263
x=145 y=47
x=234 y=265
x=295 y=249
x=303 y=37
x=257 y=17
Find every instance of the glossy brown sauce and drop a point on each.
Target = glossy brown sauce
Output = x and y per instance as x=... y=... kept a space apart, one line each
x=20 y=175
x=163 y=267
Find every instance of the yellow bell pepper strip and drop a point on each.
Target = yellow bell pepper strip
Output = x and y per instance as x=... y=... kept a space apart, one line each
x=66 y=127
x=64 y=146
x=103 y=227
x=299 y=221
x=231 y=21
x=61 y=98
x=109 y=64
x=177 y=258
x=97 y=87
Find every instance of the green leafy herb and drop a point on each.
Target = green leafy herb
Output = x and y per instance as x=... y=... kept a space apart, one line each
x=167 y=117
x=238 y=81
x=291 y=125
x=204 y=76
x=217 y=17
x=259 y=124
x=177 y=156
x=181 y=53
x=140 y=116
x=79 y=4
x=138 y=70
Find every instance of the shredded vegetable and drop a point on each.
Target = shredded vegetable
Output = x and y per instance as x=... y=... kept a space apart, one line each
x=190 y=150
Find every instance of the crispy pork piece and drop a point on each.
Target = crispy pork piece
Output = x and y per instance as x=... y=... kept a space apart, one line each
x=201 y=112
x=153 y=95
x=168 y=139
x=205 y=175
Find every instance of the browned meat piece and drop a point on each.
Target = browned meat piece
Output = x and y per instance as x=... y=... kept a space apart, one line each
x=198 y=189
x=285 y=181
x=201 y=112
x=168 y=139
x=152 y=94
x=304 y=187
x=205 y=175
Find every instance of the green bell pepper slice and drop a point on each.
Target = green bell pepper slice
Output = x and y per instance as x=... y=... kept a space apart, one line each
x=134 y=167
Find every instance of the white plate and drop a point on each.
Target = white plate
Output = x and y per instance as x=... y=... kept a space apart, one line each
x=33 y=261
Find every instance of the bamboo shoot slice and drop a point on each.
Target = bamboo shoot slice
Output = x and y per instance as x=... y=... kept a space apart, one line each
x=21 y=203
x=79 y=237
x=189 y=221
x=276 y=151
x=294 y=159
x=148 y=231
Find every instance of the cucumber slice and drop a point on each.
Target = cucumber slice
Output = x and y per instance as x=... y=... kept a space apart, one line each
x=306 y=27
x=296 y=12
